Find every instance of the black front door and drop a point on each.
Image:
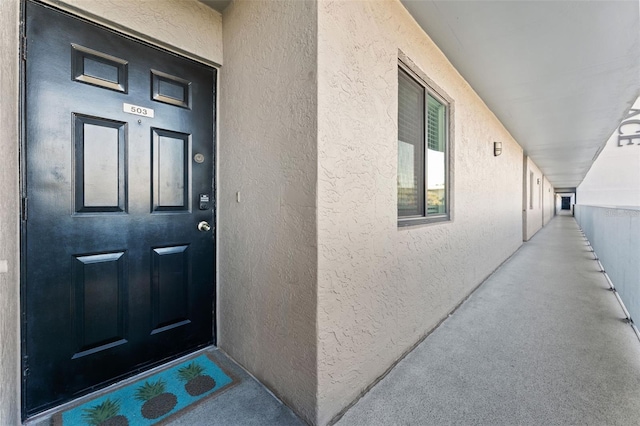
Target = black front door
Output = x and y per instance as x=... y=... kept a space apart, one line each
x=118 y=254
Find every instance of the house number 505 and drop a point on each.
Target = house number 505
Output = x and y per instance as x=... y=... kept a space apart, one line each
x=137 y=110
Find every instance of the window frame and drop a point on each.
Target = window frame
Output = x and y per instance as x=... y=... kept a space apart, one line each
x=430 y=89
x=531 y=180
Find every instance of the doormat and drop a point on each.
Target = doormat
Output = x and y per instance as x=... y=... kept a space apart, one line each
x=154 y=399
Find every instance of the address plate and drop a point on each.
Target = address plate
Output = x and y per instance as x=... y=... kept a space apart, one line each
x=137 y=110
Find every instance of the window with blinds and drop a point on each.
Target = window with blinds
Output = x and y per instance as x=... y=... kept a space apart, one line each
x=410 y=147
x=422 y=151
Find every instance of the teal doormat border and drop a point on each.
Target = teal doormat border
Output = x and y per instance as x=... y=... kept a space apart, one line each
x=154 y=399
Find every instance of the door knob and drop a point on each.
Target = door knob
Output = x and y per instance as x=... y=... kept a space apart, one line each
x=204 y=226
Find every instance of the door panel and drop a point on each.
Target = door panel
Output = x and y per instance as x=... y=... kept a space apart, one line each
x=100 y=164
x=171 y=171
x=118 y=276
x=97 y=296
x=170 y=298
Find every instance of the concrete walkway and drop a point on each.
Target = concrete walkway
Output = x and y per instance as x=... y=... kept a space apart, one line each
x=541 y=342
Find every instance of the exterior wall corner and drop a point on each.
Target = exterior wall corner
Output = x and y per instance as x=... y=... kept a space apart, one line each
x=267 y=196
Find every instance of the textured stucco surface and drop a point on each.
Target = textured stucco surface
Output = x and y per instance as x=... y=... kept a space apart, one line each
x=9 y=215
x=380 y=287
x=533 y=213
x=187 y=26
x=267 y=241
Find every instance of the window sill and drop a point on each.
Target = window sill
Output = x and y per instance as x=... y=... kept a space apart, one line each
x=408 y=222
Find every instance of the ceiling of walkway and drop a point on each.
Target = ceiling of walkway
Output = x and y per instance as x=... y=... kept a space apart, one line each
x=560 y=75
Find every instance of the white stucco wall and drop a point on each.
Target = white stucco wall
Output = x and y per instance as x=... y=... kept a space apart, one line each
x=532 y=208
x=267 y=153
x=614 y=178
x=9 y=215
x=380 y=287
x=185 y=26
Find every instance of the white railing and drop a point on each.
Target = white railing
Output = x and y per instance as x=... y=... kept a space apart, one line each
x=614 y=235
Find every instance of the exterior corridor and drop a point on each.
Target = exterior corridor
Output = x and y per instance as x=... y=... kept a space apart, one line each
x=542 y=341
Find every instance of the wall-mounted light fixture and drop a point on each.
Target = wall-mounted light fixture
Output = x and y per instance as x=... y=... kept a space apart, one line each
x=497 y=148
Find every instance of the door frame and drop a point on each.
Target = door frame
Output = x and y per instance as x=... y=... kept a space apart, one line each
x=78 y=14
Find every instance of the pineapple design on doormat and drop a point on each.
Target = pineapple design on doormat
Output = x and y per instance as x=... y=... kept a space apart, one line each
x=105 y=414
x=196 y=383
x=156 y=398
x=157 y=402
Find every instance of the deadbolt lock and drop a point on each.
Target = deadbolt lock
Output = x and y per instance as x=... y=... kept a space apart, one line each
x=204 y=226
